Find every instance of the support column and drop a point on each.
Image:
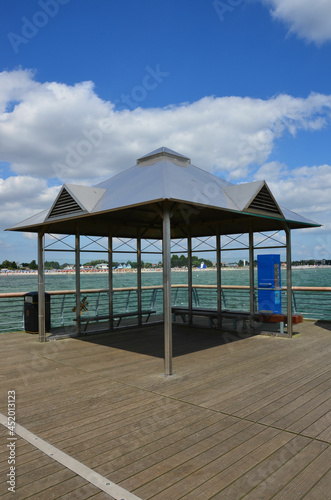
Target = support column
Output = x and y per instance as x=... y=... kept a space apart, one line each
x=77 y=276
x=41 y=288
x=189 y=275
x=166 y=251
x=110 y=280
x=219 y=277
x=139 y=290
x=289 y=281
x=251 y=272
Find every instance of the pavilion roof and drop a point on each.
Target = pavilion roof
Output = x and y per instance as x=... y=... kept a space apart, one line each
x=162 y=175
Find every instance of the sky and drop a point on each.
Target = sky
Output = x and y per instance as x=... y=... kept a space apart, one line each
x=242 y=87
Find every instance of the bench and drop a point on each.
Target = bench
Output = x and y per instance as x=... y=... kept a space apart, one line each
x=118 y=316
x=211 y=314
x=183 y=312
x=278 y=318
x=244 y=316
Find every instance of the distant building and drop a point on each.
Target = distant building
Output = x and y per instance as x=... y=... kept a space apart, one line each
x=102 y=267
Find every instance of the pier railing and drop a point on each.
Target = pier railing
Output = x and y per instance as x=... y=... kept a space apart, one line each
x=311 y=302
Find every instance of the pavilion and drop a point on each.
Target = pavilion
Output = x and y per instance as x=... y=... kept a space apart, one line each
x=163 y=197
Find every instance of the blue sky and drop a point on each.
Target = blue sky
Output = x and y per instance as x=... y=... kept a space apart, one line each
x=241 y=87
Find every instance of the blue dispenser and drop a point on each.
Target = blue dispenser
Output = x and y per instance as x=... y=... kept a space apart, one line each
x=269 y=285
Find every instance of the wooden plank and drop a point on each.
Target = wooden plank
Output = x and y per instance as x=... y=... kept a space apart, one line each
x=157 y=446
x=281 y=473
x=249 y=478
x=317 y=420
x=151 y=478
x=326 y=435
x=308 y=478
x=227 y=475
x=81 y=493
x=104 y=400
x=321 y=489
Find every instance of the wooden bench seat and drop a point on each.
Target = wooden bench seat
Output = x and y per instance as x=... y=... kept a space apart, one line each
x=236 y=316
x=279 y=318
x=211 y=314
x=118 y=316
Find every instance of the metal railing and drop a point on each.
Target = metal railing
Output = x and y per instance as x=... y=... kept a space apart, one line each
x=311 y=302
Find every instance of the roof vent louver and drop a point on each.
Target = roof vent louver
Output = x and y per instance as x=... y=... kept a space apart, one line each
x=265 y=202
x=65 y=205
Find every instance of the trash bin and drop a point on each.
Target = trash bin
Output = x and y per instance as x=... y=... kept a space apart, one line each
x=31 y=312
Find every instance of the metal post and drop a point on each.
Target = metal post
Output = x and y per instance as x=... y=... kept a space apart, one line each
x=77 y=275
x=166 y=251
x=219 y=277
x=289 y=281
x=139 y=278
x=41 y=288
x=251 y=272
x=110 y=280
x=189 y=275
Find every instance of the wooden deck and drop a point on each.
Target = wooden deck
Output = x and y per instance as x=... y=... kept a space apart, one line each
x=243 y=417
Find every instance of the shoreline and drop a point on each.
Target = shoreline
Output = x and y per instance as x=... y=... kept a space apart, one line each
x=115 y=271
x=134 y=271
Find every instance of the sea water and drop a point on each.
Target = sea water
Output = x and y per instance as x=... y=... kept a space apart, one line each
x=310 y=304
x=317 y=277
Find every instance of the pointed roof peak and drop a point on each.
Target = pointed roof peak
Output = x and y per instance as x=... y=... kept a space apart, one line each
x=163 y=153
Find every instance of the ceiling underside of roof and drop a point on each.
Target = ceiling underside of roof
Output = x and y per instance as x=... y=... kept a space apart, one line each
x=147 y=219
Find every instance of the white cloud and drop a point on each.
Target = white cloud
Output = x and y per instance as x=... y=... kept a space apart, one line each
x=56 y=130
x=23 y=196
x=309 y=19
x=305 y=190
x=43 y=124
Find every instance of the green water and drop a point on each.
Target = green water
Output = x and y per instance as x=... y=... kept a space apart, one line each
x=300 y=277
x=310 y=304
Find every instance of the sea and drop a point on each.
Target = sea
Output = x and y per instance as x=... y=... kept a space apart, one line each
x=310 y=304
x=312 y=276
